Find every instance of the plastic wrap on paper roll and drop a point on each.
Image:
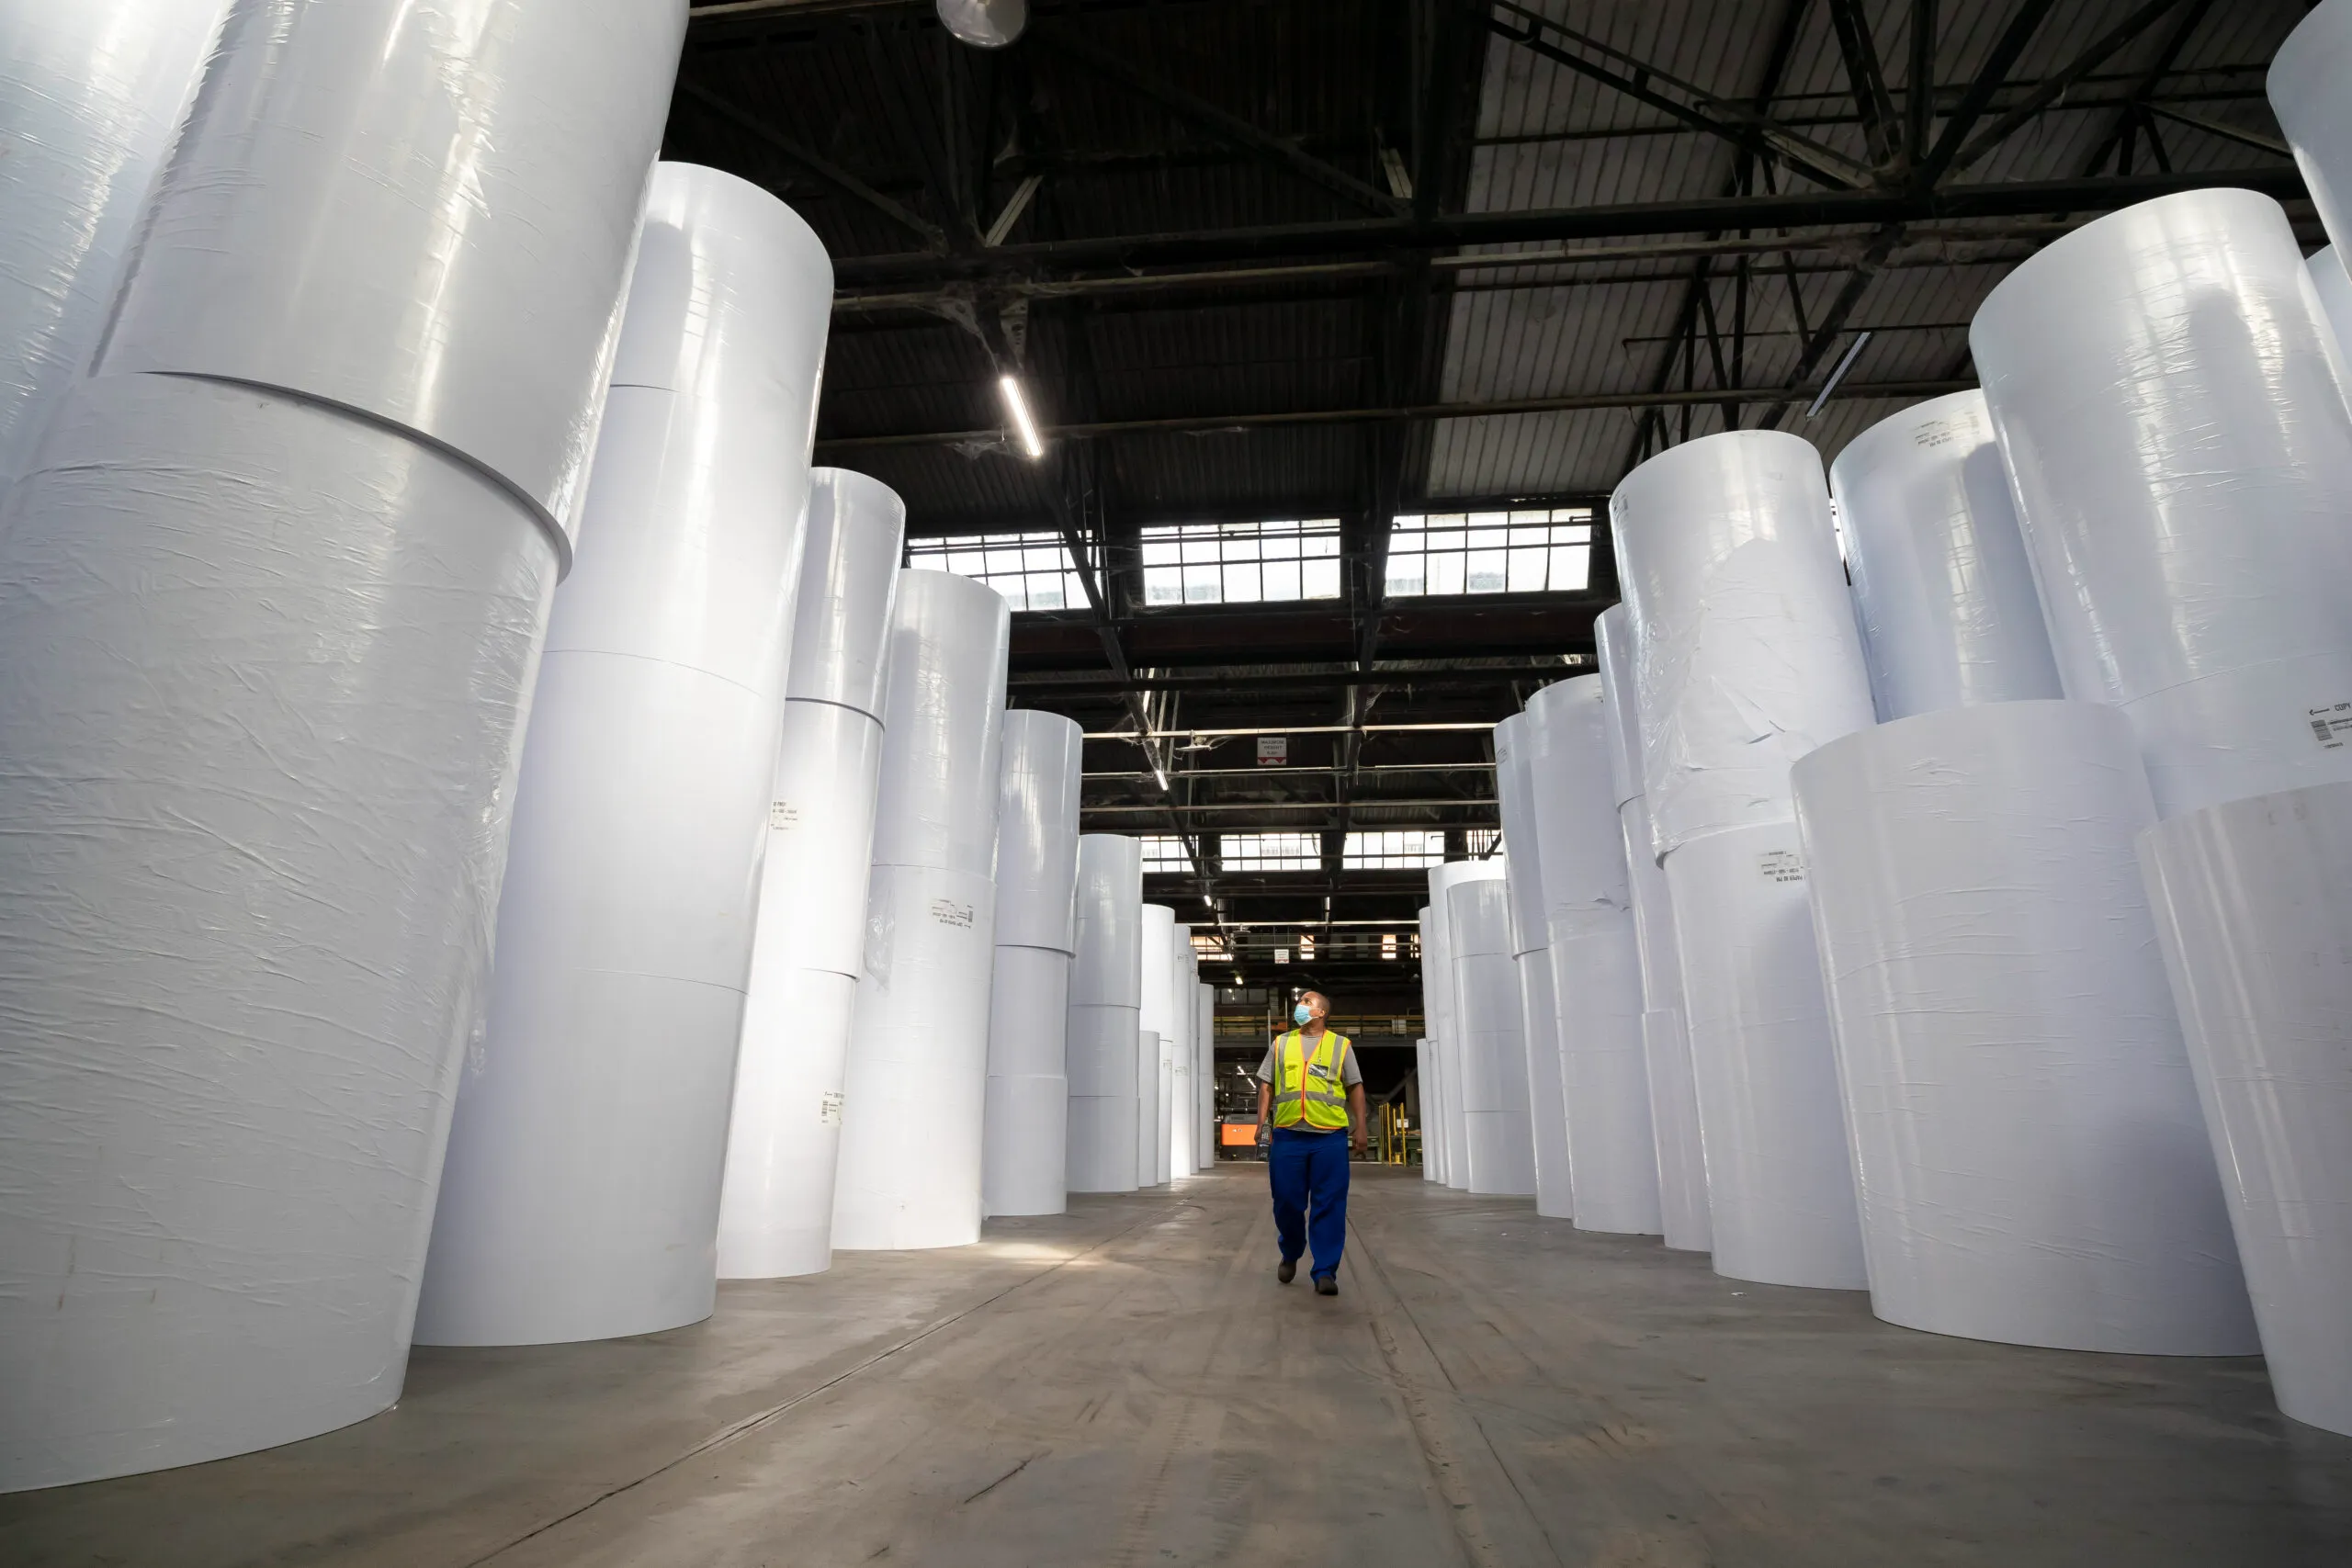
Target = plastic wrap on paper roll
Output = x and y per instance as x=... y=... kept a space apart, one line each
x=1514 y=794
x=1584 y=877
x=426 y=213
x=641 y=819
x=264 y=677
x=1423 y=1073
x=1025 y=1158
x=1612 y=632
x=2032 y=1164
x=1163 y=1130
x=1457 y=1140
x=2254 y=913
x=2170 y=407
x=1494 y=1044
x=1036 y=866
x=914 y=1101
x=1108 y=969
x=1102 y=1089
x=1942 y=586
x=776 y=1207
x=820 y=842
x=1665 y=1045
x=90 y=95
x=849 y=584
x=943 y=722
x=1780 y=1183
x=2306 y=92
x=2329 y=281
x=1746 y=652
x=1539 y=1012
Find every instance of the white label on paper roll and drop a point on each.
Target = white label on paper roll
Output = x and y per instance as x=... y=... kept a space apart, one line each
x=2331 y=727
x=828 y=1109
x=783 y=816
x=1781 y=865
x=948 y=913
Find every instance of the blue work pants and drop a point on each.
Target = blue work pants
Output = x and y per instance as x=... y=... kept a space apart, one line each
x=1308 y=1171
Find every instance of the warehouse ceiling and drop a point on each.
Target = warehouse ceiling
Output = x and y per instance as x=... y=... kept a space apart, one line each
x=1353 y=260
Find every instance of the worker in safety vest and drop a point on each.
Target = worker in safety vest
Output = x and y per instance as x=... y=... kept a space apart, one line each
x=1313 y=1089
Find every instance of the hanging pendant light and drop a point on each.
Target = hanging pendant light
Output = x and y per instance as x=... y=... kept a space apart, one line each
x=985 y=24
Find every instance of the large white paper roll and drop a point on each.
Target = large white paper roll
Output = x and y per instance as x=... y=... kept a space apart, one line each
x=1942 y=585
x=1780 y=1181
x=90 y=95
x=1531 y=950
x=2031 y=1161
x=264 y=677
x=1494 y=1044
x=2254 y=910
x=914 y=1102
x=1182 y=1106
x=1108 y=970
x=2306 y=92
x=776 y=1207
x=1036 y=864
x=1666 y=1046
x=1613 y=635
x=1457 y=1138
x=1434 y=1145
x=2171 y=409
x=1747 y=654
x=1103 y=1092
x=942 y=710
x=1595 y=958
x=424 y=213
x=1204 y=1084
x=2329 y=281
x=1424 y=1074
x=849 y=585
x=642 y=814
x=1025 y=1144
x=1149 y=1070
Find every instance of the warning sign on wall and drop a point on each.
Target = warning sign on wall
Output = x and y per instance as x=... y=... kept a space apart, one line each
x=1274 y=750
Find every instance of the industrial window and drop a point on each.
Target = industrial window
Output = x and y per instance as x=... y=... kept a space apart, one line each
x=1388 y=949
x=1208 y=945
x=1034 y=571
x=1242 y=563
x=1481 y=842
x=1410 y=849
x=1542 y=551
x=1271 y=852
x=1165 y=852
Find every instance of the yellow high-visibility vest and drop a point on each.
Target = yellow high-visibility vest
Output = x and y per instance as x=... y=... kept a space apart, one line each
x=1311 y=1087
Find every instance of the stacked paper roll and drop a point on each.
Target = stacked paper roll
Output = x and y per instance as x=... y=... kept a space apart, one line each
x=1531 y=957
x=1596 y=961
x=2033 y=1166
x=913 y=1103
x=776 y=1205
x=1105 y=1002
x=1155 y=1042
x=581 y=1198
x=1498 y=1142
x=2167 y=396
x=1942 y=588
x=1745 y=659
x=269 y=623
x=1025 y=1138
x=1666 y=1041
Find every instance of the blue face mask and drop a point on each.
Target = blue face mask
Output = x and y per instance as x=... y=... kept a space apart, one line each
x=1302 y=1015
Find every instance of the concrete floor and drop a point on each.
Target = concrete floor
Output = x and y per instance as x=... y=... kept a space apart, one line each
x=1127 y=1384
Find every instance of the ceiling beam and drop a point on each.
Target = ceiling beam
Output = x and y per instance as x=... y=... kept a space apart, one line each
x=1071 y=687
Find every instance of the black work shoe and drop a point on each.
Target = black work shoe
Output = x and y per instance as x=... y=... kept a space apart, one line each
x=1327 y=1284
x=1287 y=1272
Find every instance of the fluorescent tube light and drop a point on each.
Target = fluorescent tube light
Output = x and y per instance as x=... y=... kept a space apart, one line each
x=1018 y=406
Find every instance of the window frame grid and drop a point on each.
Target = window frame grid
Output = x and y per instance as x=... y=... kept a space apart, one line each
x=1207 y=563
x=1388 y=853
x=957 y=552
x=1297 y=852
x=1164 y=854
x=1496 y=554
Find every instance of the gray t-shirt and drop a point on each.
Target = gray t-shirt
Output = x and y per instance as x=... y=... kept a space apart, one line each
x=1350 y=1074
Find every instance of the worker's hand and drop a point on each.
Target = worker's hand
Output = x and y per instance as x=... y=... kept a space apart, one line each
x=1265 y=1135
x=1364 y=1143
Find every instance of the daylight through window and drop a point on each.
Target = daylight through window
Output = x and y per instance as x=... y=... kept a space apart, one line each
x=1542 y=551
x=1242 y=563
x=1032 y=570
x=1271 y=852
x=1409 y=848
